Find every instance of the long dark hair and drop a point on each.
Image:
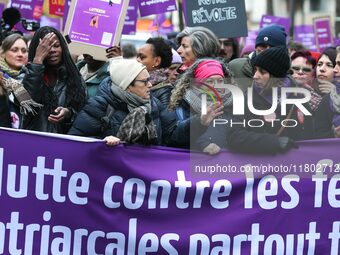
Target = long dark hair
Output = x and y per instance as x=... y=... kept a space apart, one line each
x=68 y=72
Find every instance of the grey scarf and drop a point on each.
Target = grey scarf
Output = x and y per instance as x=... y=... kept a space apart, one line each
x=137 y=127
x=193 y=96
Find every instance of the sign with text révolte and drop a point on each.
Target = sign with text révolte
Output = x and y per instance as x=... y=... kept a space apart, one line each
x=226 y=18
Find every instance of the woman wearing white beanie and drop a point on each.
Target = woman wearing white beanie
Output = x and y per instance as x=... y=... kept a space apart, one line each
x=123 y=110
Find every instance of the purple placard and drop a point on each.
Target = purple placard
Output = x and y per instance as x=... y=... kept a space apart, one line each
x=88 y=198
x=323 y=34
x=95 y=22
x=52 y=22
x=131 y=18
x=148 y=7
x=305 y=35
x=29 y=9
x=66 y=9
x=269 y=20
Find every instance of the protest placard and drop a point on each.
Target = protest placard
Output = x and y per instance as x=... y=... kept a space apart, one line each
x=226 y=18
x=94 y=25
x=323 y=33
x=269 y=20
x=305 y=35
x=148 y=7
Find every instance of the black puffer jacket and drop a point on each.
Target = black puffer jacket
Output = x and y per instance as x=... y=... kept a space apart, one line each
x=89 y=121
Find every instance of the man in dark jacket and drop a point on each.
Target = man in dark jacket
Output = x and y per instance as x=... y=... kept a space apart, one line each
x=270 y=36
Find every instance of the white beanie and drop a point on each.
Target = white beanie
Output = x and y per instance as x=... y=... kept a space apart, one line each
x=124 y=71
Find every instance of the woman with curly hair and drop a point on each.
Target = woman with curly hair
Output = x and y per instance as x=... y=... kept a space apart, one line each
x=54 y=81
x=156 y=55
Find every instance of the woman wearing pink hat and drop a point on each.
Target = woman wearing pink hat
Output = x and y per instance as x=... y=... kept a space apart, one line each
x=186 y=99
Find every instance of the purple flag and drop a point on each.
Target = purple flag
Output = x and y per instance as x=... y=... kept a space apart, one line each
x=82 y=197
x=269 y=20
x=305 y=35
x=148 y=7
x=336 y=41
x=130 y=19
x=323 y=33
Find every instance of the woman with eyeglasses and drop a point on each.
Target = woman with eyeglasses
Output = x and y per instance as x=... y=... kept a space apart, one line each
x=125 y=110
x=303 y=68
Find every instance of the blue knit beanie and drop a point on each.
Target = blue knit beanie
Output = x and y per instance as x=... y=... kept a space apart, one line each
x=272 y=35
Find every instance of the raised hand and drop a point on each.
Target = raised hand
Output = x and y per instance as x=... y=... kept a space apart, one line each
x=44 y=47
x=213 y=111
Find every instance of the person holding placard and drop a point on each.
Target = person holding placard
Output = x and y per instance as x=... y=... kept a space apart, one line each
x=54 y=81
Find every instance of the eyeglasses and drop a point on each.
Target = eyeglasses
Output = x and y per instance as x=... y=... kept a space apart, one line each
x=226 y=42
x=146 y=81
x=304 y=69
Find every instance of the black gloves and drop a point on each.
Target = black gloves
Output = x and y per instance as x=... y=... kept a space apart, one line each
x=286 y=144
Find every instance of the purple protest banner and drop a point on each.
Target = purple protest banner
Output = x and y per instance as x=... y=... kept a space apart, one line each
x=323 y=33
x=269 y=20
x=305 y=35
x=148 y=7
x=95 y=25
x=130 y=19
x=82 y=197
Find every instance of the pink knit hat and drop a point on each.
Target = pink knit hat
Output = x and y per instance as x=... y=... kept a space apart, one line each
x=207 y=68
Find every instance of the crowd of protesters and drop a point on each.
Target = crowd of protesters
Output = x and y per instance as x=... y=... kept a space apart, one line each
x=155 y=95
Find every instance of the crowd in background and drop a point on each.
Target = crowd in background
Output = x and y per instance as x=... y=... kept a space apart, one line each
x=153 y=95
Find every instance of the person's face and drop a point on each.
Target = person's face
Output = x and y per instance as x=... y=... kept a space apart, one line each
x=216 y=81
x=146 y=56
x=261 y=77
x=141 y=85
x=337 y=68
x=261 y=48
x=172 y=73
x=226 y=48
x=17 y=55
x=54 y=57
x=185 y=51
x=324 y=69
x=303 y=72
